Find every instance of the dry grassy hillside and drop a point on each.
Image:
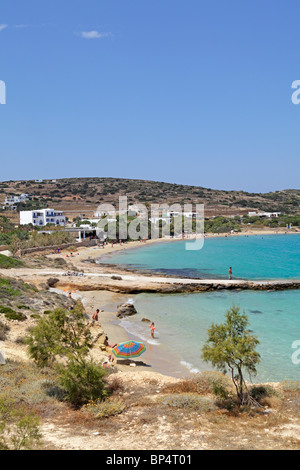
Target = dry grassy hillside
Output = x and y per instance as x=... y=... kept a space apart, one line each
x=81 y=196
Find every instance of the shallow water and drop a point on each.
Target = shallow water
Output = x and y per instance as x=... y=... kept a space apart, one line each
x=182 y=322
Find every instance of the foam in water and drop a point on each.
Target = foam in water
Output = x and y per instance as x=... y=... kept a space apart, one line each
x=137 y=330
x=190 y=367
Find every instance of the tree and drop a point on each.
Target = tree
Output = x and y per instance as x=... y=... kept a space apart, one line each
x=64 y=334
x=230 y=347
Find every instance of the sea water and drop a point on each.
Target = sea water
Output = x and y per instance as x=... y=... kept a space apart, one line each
x=251 y=257
x=182 y=320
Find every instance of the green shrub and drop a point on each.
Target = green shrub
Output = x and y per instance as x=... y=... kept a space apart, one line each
x=4 y=309
x=6 y=262
x=220 y=391
x=259 y=392
x=8 y=288
x=83 y=382
x=15 y=316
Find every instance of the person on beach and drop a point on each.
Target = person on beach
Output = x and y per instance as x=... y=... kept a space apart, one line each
x=95 y=315
x=109 y=348
x=230 y=273
x=152 y=327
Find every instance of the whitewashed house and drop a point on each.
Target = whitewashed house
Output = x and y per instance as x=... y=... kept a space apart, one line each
x=269 y=215
x=11 y=201
x=41 y=217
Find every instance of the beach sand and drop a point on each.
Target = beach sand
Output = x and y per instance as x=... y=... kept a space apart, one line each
x=98 y=290
x=153 y=359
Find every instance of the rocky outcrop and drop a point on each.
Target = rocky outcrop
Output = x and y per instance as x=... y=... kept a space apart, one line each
x=52 y=281
x=126 y=310
x=173 y=287
x=98 y=336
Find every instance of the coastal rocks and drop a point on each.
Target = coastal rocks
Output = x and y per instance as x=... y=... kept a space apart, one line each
x=52 y=281
x=98 y=336
x=126 y=310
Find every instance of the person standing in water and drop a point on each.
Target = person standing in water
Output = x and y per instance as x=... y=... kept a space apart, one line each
x=152 y=327
x=95 y=315
x=230 y=273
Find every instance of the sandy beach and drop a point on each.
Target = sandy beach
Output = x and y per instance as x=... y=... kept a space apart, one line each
x=142 y=384
x=98 y=289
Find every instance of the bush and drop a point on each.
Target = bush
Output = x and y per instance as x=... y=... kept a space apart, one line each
x=3 y=331
x=8 y=288
x=190 y=401
x=83 y=382
x=209 y=382
x=259 y=392
x=6 y=309
x=220 y=391
x=19 y=430
x=23 y=382
x=15 y=316
x=66 y=335
x=6 y=262
x=104 y=409
x=36 y=316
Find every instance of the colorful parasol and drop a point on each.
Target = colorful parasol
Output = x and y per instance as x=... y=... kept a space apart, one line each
x=129 y=349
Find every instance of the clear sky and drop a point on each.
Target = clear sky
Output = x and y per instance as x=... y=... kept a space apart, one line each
x=183 y=91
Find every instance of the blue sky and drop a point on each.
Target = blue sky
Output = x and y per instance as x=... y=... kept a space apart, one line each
x=183 y=91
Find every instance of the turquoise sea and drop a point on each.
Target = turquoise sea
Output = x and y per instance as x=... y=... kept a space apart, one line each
x=182 y=320
x=253 y=257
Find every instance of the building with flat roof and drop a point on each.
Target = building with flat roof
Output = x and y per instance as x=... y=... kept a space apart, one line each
x=41 y=217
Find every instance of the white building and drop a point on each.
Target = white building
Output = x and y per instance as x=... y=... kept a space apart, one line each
x=269 y=215
x=12 y=200
x=42 y=217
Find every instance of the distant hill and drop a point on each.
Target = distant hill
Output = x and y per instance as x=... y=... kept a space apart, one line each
x=78 y=196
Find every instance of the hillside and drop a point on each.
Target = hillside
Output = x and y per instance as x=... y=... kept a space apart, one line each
x=78 y=196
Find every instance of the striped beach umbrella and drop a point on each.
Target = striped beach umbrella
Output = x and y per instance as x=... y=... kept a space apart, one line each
x=129 y=349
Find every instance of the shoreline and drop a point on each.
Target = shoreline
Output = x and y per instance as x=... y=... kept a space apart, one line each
x=99 y=290
x=172 y=366
x=152 y=360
